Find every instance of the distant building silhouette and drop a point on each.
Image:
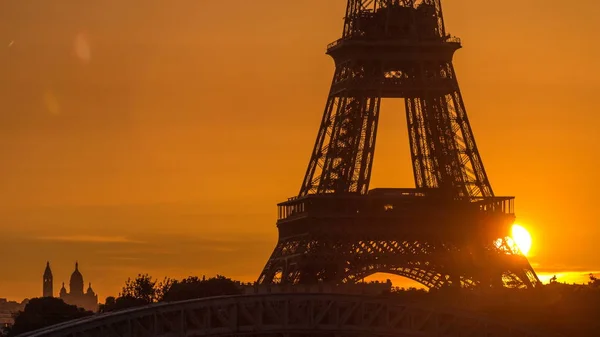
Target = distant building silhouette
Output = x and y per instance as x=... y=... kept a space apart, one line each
x=75 y=296
x=8 y=309
x=48 y=283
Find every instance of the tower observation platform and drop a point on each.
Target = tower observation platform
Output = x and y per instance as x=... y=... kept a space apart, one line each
x=389 y=212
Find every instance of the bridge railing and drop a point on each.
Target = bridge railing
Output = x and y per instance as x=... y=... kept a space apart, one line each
x=275 y=314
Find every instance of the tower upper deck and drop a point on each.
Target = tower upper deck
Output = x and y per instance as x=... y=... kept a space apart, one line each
x=397 y=210
x=395 y=30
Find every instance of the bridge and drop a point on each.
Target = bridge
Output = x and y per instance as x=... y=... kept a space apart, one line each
x=298 y=314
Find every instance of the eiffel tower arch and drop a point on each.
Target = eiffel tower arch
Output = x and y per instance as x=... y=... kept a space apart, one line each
x=450 y=230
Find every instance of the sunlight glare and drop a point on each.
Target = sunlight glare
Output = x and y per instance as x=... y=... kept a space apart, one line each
x=522 y=238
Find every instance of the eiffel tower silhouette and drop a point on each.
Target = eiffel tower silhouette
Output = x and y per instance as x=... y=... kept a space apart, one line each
x=449 y=231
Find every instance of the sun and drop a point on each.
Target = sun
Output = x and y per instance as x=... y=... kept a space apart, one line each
x=522 y=238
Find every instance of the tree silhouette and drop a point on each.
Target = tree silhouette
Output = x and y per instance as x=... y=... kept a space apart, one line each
x=140 y=291
x=145 y=289
x=109 y=304
x=594 y=281
x=193 y=287
x=43 y=312
x=141 y=288
x=120 y=303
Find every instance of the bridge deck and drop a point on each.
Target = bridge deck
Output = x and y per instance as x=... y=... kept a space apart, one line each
x=283 y=314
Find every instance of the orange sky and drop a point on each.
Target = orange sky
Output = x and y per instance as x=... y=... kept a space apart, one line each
x=137 y=136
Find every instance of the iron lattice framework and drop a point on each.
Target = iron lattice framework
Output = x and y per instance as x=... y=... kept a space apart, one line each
x=395 y=49
x=450 y=230
x=292 y=315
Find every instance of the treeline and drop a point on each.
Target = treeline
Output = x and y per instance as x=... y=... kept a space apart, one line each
x=43 y=312
x=567 y=309
x=143 y=290
x=571 y=310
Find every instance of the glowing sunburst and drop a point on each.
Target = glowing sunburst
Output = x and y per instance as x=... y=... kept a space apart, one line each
x=522 y=238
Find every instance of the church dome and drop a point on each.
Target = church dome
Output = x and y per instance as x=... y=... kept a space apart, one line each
x=90 y=291
x=76 y=283
x=63 y=291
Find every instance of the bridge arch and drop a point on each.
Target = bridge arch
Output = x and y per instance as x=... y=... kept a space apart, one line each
x=279 y=315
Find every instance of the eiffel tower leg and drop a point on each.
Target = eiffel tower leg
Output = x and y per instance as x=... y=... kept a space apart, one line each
x=283 y=265
x=514 y=268
x=443 y=149
x=342 y=158
x=349 y=156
